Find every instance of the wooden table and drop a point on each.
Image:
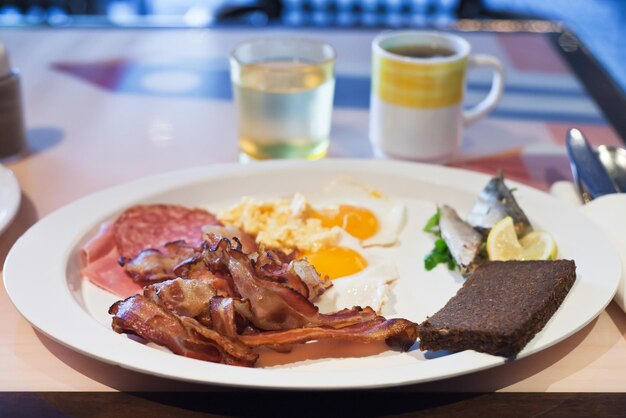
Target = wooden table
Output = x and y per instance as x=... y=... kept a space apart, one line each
x=107 y=106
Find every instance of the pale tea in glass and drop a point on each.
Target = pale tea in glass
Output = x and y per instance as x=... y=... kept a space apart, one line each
x=284 y=95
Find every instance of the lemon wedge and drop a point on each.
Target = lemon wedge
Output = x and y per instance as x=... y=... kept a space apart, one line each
x=502 y=243
x=538 y=245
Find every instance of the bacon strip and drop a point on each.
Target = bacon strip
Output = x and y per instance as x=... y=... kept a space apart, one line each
x=211 y=232
x=222 y=311
x=226 y=302
x=270 y=310
x=183 y=297
x=298 y=275
x=196 y=269
x=152 y=265
x=307 y=273
x=274 y=306
x=269 y=266
x=182 y=335
x=398 y=333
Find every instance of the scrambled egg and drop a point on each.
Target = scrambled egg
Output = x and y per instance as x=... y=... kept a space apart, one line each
x=284 y=224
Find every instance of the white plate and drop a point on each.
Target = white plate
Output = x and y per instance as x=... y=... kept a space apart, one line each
x=51 y=294
x=9 y=197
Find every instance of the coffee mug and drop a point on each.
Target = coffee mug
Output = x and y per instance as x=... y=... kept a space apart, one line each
x=416 y=106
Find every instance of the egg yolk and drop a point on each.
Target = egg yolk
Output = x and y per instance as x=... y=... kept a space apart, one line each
x=336 y=262
x=356 y=221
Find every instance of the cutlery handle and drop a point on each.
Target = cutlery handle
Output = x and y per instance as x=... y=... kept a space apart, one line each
x=586 y=167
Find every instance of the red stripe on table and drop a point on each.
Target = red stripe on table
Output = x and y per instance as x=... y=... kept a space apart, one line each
x=510 y=162
x=596 y=134
x=107 y=74
x=531 y=52
x=535 y=170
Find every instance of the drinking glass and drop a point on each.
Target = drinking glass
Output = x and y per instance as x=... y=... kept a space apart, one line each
x=283 y=90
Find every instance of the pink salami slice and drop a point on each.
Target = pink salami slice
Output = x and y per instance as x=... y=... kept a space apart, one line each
x=151 y=226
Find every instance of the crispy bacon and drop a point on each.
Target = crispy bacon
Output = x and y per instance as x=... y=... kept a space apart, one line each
x=153 y=265
x=214 y=233
x=307 y=273
x=182 y=335
x=186 y=336
x=298 y=275
x=226 y=303
x=270 y=310
x=223 y=316
x=195 y=268
x=269 y=266
x=183 y=297
x=397 y=333
x=274 y=305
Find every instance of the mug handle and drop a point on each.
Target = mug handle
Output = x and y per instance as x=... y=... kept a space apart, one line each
x=495 y=93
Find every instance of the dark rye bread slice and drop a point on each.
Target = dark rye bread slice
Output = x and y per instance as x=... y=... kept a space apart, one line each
x=500 y=307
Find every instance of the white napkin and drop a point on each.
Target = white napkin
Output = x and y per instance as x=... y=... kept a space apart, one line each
x=609 y=214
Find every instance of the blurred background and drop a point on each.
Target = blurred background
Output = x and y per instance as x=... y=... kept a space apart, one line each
x=600 y=24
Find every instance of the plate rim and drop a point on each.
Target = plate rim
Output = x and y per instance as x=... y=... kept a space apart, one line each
x=14 y=193
x=240 y=377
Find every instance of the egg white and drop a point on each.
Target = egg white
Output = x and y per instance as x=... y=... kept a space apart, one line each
x=390 y=213
x=369 y=287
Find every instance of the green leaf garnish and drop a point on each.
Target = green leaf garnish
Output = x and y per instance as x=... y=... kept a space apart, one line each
x=440 y=254
x=432 y=226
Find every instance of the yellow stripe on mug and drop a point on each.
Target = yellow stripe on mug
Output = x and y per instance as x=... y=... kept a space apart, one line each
x=416 y=100
x=419 y=85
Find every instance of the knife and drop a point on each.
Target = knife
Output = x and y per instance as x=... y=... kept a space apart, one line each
x=587 y=169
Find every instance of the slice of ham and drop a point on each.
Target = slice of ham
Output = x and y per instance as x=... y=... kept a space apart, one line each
x=139 y=228
x=99 y=245
x=107 y=274
x=100 y=264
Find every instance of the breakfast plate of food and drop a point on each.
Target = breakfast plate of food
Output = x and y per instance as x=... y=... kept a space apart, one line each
x=10 y=196
x=330 y=274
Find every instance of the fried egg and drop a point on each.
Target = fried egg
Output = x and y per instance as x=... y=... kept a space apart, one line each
x=342 y=229
x=365 y=213
x=360 y=277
